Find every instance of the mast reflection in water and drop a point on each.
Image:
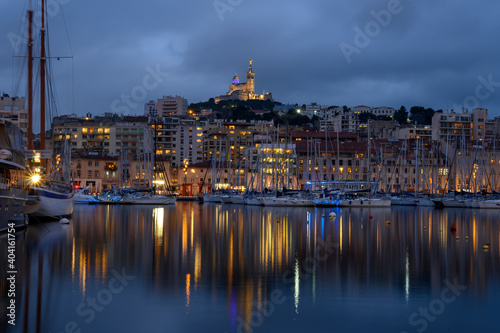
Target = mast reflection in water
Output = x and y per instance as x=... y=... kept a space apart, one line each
x=224 y=268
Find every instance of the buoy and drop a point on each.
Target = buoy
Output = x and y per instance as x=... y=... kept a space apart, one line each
x=466 y=237
x=458 y=238
x=371 y=216
x=64 y=221
x=425 y=227
x=332 y=215
x=323 y=215
x=486 y=247
x=387 y=222
x=453 y=227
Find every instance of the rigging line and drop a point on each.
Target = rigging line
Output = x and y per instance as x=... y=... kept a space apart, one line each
x=72 y=103
x=66 y=29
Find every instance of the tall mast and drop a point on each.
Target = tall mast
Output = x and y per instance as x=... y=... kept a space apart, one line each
x=42 y=79
x=369 y=160
x=30 y=78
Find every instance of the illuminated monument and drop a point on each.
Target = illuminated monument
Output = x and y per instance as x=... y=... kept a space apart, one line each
x=244 y=91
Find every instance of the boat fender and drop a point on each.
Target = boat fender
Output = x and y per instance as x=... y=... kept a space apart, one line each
x=5 y=154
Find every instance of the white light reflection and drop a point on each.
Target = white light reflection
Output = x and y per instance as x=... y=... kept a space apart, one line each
x=297 y=283
x=407 y=277
x=158 y=214
x=188 y=291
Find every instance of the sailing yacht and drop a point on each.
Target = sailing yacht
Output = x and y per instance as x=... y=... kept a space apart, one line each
x=50 y=196
x=13 y=190
x=368 y=201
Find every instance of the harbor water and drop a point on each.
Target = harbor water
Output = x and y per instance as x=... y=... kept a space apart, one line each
x=193 y=267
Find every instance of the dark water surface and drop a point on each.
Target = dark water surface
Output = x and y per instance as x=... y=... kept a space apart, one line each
x=226 y=268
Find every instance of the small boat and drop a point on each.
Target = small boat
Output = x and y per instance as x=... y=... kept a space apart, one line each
x=365 y=202
x=287 y=201
x=82 y=196
x=148 y=198
x=113 y=197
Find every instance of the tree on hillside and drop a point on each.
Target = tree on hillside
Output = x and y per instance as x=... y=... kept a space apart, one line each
x=364 y=116
x=421 y=116
x=401 y=115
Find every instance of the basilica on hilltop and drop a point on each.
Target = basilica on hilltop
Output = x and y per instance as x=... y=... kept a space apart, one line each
x=244 y=91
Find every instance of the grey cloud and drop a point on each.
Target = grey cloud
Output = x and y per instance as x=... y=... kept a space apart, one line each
x=430 y=54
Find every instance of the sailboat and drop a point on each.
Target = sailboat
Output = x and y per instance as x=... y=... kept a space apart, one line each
x=13 y=191
x=151 y=195
x=50 y=196
x=369 y=201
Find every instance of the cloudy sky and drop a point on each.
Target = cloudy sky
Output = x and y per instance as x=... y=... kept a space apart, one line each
x=440 y=54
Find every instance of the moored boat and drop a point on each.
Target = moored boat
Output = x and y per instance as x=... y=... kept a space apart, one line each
x=13 y=189
x=82 y=196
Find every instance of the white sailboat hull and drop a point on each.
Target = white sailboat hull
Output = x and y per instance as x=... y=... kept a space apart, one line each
x=233 y=199
x=490 y=204
x=212 y=198
x=52 y=203
x=287 y=202
x=154 y=200
x=366 y=202
x=424 y=202
x=399 y=201
x=79 y=198
x=453 y=203
x=253 y=201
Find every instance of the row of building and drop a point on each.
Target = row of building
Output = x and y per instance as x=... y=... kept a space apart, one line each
x=115 y=150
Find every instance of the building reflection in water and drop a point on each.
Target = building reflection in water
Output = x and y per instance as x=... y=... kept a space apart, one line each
x=234 y=257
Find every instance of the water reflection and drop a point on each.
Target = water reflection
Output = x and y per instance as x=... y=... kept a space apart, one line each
x=199 y=266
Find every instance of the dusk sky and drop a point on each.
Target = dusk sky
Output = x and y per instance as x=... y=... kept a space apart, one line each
x=439 y=54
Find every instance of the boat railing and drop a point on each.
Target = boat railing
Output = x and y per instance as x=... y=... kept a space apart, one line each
x=4 y=183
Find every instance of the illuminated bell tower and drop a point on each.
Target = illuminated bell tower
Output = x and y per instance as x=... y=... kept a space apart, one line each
x=250 y=79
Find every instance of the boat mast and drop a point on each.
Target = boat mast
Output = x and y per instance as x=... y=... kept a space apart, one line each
x=42 y=79
x=30 y=77
x=369 y=161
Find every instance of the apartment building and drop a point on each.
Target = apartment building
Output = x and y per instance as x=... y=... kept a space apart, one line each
x=456 y=127
x=414 y=132
x=169 y=106
x=361 y=109
x=226 y=141
x=378 y=111
x=179 y=139
x=329 y=112
x=96 y=169
x=150 y=109
x=108 y=134
x=346 y=122
x=313 y=110
x=13 y=109
x=383 y=111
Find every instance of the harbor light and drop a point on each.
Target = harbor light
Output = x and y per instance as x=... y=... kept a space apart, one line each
x=35 y=178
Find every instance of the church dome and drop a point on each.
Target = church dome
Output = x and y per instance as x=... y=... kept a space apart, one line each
x=236 y=79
